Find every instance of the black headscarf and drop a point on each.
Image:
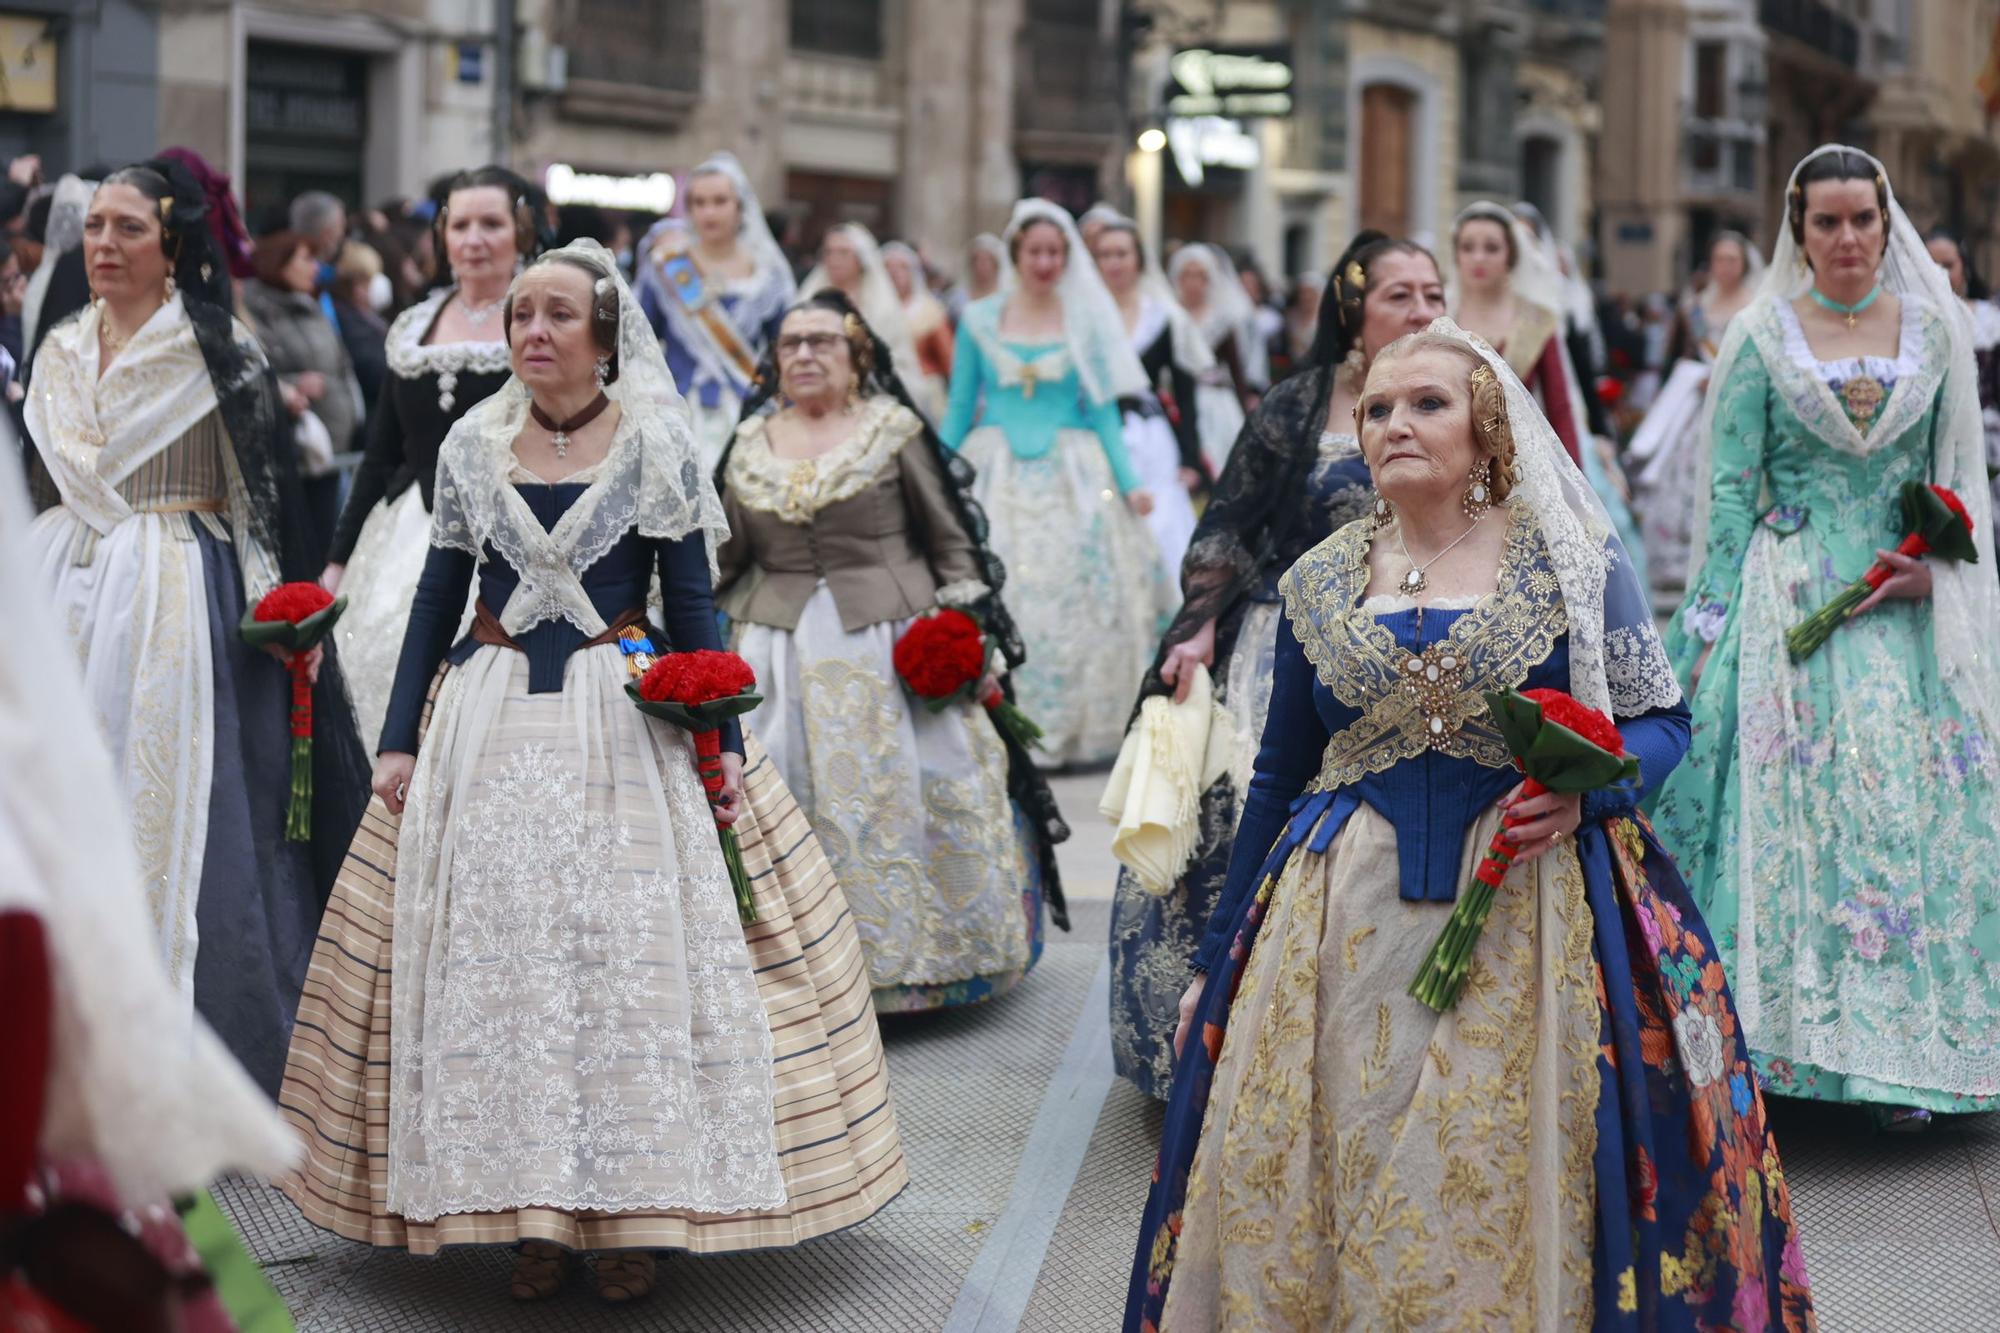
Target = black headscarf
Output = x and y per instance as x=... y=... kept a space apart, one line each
x=1025 y=782
x=1259 y=517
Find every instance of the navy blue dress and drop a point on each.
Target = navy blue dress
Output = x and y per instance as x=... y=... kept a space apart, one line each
x=1692 y=1218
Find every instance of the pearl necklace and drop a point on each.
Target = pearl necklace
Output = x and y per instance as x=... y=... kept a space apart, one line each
x=478 y=316
x=1415 y=581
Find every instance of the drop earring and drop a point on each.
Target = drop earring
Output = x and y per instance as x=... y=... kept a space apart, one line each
x=1384 y=515
x=603 y=371
x=1478 y=490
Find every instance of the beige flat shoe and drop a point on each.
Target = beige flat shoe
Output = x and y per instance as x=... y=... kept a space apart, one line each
x=539 y=1269
x=624 y=1276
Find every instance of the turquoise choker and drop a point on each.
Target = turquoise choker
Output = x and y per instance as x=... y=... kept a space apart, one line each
x=1850 y=312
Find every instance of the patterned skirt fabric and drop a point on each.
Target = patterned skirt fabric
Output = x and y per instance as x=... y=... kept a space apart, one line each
x=833 y=1125
x=1154 y=937
x=910 y=806
x=1842 y=841
x=1592 y=1154
x=1082 y=581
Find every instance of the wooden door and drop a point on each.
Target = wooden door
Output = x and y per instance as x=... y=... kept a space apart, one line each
x=1388 y=150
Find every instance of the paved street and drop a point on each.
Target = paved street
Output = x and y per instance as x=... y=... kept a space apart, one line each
x=1029 y=1161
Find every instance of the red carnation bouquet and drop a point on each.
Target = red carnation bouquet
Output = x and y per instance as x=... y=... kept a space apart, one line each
x=700 y=691
x=1936 y=523
x=295 y=617
x=942 y=658
x=1559 y=745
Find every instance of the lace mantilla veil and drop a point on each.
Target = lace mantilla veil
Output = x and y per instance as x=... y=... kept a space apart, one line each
x=1616 y=660
x=1191 y=350
x=652 y=477
x=1965 y=598
x=1092 y=326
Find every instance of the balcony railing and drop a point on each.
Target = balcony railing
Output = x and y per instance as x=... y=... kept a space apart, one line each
x=1066 y=78
x=1816 y=25
x=653 y=45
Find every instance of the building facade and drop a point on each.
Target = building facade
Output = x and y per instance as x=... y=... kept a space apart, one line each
x=1401 y=112
x=78 y=80
x=1721 y=98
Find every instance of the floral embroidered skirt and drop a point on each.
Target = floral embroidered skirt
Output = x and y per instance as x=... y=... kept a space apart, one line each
x=1579 y=1144
x=1154 y=937
x=911 y=807
x=1082 y=581
x=1842 y=843
x=549 y=1023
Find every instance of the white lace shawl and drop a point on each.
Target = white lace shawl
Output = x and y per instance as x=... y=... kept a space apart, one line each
x=1965 y=598
x=651 y=479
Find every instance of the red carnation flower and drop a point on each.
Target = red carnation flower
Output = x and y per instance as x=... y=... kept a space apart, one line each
x=1954 y=504
x=698 y=677
x=1565 y=711
x=293 y=602
x=940 y=655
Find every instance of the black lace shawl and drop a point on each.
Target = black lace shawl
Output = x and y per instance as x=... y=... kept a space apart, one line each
x=246 y=394
x=1261 y=517
x=1026 y=784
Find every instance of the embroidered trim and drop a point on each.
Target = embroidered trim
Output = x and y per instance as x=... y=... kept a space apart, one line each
x=410 y=357
x=1811 y=399
x=797 y=489
x=1493 y=646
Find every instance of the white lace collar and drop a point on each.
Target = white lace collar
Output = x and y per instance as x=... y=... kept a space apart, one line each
x=1796 y=375
x=795 y=489
x=1152 y=320
x=410 y=356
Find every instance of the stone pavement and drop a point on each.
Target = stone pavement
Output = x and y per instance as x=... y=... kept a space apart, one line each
x=1029 y=1163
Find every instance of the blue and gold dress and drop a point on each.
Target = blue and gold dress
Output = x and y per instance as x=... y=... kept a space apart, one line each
x=1580 y=1141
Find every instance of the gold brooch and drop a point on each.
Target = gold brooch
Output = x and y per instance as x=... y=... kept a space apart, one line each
x=1432 y=677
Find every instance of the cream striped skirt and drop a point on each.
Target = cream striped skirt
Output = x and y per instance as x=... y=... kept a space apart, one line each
x=838 y=1147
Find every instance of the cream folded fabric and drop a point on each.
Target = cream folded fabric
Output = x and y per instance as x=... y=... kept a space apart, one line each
x=1168 y=760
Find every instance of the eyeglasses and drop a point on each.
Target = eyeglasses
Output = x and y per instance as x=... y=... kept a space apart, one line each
x=819 y=344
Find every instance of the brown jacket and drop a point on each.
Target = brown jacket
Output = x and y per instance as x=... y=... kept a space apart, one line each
x=871 y=517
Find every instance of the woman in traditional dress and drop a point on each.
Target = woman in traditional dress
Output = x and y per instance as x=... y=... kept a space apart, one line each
x=557 y=871
x=1159 y=423
x=445 y=356
x=1297 y=478
x=1508 y=293
x=1667 y=445
x=847 y=521
x=986 y=268
x=171 y=503
x=1578 y=1142
x=1950 y=256
x=1206 y=283
x=929 y=325
x=1836 y=815
x=1035 y=387
x=714 y=285
x=851 y=263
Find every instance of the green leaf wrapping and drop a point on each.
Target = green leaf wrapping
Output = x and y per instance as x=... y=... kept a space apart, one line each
x=1551 y=753
x=298 y=638
x=695 y=717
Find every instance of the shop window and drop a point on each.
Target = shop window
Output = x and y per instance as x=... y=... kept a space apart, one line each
x=838 y=27
x=1388 y=153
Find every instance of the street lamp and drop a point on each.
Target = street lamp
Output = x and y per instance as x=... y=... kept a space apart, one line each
x=1152 y=140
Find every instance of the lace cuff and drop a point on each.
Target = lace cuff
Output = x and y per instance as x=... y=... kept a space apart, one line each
x=963 y=593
